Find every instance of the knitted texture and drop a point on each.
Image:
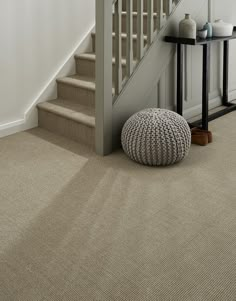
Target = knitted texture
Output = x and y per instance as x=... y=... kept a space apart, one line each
x=156 y=137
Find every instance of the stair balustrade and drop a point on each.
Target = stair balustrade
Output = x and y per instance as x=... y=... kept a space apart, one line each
x=125 y=29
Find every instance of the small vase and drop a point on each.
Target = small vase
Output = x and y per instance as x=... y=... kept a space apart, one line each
x=202 y=33
x=208 y=27
x=188 y=28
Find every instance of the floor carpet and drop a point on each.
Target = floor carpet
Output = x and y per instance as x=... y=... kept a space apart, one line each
x=75 y=226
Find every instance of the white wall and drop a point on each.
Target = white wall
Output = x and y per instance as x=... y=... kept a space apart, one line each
x=37 y=38
x=166 y=94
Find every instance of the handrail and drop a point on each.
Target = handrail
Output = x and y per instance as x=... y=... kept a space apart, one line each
x=113 y=29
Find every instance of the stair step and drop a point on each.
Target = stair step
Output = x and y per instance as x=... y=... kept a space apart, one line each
x=90 y=56
x=85 y=64
x=124 y=40
x=68 y=119
x=70 y=110
x=77 y=88
x=76 y=81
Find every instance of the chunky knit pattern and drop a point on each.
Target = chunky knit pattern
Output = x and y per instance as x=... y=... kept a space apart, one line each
x=156 y=137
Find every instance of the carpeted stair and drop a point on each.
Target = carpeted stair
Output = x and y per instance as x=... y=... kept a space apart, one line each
x=72 y=114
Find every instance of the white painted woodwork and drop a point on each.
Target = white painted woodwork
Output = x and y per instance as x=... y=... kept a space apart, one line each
x=160 y=11
x=103 y=97
x=129 y=43
x=140 y=44
x=168 y=5
x=105 y=9
x=118 y=41
x=150 y=21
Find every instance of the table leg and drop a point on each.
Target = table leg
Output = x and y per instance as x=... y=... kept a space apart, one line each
x=180 y=55
x=226 y=74
x=205 y=86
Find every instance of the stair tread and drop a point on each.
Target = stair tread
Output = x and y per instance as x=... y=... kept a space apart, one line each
x=78 y=81
x=91 y=56
x=70 y=110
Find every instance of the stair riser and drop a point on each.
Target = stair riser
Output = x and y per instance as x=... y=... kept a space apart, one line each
x=67 y=128
x=135 y=24
x=83 y=96
x=135 y=5
x=124 y=41
x=87 y=68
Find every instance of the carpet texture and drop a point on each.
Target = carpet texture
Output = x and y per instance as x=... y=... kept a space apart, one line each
x=75 y=226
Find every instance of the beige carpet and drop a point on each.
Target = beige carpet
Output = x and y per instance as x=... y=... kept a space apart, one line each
x=74 y=226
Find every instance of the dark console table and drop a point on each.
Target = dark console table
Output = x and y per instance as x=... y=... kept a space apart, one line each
x=229 y=107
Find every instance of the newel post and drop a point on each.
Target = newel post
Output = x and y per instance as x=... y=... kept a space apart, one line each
x=103 y=98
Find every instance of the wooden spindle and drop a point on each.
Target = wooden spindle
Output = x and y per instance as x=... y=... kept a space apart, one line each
x=118 y=47
x=160 y=11
x=140 y=44
x=168 y=5
x=129 y=41
x=150 y=24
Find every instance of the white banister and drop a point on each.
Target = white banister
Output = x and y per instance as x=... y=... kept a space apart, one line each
x=150 y=22
x=140 y=40
x=118 y=47
x=160 y=11
x=168 y=5
x=103 y=98
x=129 y=42
x=109 y=19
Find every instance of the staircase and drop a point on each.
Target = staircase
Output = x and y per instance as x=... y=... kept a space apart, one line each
x=133 y=28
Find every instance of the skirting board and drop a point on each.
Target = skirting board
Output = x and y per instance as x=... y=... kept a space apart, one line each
x=213 y=103
x=197 y=110
x=30 y=118
x=32 y=121
x=11 y=128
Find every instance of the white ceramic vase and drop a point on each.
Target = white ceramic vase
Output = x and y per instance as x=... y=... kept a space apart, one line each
x=222 y=29
x=188 y=28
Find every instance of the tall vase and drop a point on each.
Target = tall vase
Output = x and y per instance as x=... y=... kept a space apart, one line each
x=188 y=28
x=208 y=27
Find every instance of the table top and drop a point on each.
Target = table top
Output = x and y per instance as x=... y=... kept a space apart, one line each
x=199 y=41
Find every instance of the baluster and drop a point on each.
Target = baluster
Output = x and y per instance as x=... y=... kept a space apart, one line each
x=168 y=5
x=160 y=13
x=140 y=40
x=129 y=41
x=150 y=27
x=118 y=47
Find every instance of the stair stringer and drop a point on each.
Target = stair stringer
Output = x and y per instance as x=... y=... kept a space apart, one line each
x=134 y=95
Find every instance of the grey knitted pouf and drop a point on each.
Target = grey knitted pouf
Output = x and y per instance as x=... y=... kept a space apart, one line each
x=156 y=137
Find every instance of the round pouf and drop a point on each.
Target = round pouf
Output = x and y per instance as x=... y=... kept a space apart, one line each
x=156 y=137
